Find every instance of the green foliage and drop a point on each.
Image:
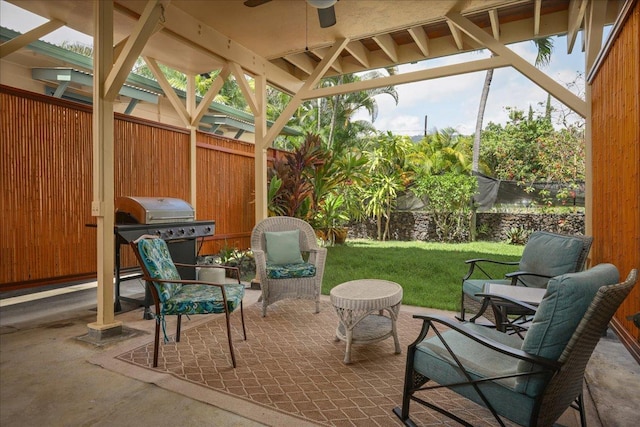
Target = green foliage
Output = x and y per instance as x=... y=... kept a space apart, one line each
x=449 y=202
x=388 y=175
x=528 y=149
x=517 y=235
x=429 y=273
x=440 y=152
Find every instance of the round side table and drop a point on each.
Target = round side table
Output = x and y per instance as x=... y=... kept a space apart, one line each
x=360 y=305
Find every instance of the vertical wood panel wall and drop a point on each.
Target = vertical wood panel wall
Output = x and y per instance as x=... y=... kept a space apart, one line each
x=616 y=163
x=46 y=184
x=45 y=179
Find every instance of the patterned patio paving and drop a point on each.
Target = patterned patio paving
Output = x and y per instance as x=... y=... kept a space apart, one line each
x=291 y=364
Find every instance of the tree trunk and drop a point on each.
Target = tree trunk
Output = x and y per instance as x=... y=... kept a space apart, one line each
x=480 y=119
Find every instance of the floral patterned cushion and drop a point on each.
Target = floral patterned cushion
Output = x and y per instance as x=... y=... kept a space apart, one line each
x=290 y=271
x=157 y=260
x=203 y=299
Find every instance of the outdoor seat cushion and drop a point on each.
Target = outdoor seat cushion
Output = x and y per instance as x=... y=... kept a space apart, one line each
x=561 y=310
x=157 y=260
x=473 y=286
x=434 y=361
x=203 y=299
x=549 y=254
x=291 y=271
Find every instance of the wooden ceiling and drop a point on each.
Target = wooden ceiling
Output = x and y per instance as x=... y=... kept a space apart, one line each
x=283 y=39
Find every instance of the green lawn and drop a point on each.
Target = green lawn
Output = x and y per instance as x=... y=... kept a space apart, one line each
x=429 y=273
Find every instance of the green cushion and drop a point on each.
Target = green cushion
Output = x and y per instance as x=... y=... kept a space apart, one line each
x=157 y=260
x=561 y=310
x=433 y=361
x=203 y=299
x=549 y=254
x=283 y=247
x=290 y=271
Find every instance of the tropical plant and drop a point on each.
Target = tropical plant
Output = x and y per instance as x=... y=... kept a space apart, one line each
x=449 y=203
x=388 y=175
x=442 y=151
x=517 y=235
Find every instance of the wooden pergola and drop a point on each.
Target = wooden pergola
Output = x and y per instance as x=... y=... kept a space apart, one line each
x=280 y=43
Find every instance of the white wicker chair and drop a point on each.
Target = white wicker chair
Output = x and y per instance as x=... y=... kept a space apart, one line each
x=281 y=288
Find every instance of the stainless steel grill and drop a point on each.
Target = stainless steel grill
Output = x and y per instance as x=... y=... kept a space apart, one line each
x=169 y=218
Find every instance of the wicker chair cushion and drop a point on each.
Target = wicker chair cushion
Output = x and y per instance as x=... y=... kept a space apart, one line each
x=157 y=260
x=473 y=286
x=203 y=299
x=559 y=314
x=432 y=357
x=549 y=254
x=283 y=247
x=291 y=271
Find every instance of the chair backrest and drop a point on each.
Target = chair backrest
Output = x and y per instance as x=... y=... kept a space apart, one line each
x=567 y=384
x=156 y=263
x=552 y=255
x=307 y=237
x=561 y=310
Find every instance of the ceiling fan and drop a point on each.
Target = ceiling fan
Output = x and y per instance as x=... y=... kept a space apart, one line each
x=326 y=12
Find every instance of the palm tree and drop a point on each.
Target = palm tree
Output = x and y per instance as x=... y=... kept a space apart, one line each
x=545 y=48
x=344 y=106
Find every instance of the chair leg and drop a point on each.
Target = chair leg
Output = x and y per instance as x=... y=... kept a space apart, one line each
x=244 y=331
x=178 y=328
x=462 y=311
x=264 y=307
x=233 y=356
x=156 y=343
x=580 y=403
x=318 y=305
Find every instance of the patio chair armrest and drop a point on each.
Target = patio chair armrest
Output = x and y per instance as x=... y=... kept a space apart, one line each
x=317 y=256
x=478 y=261
x=184 y=282
x=516 y=275
x=429 y=320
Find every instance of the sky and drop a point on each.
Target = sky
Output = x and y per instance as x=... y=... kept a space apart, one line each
x=447 y=102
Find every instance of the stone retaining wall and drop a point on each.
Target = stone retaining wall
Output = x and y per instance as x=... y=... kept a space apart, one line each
x=417 y=225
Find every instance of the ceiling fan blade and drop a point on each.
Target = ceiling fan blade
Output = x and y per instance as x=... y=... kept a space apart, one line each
x=254 y=3
x=327 y=17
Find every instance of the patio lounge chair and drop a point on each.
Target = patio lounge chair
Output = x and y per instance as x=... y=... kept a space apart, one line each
x=531 y=381
x=175 y=296
x=280 y=245
x=545 y=255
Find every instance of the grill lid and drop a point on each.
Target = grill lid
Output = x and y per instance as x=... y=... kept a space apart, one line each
x=153 y=210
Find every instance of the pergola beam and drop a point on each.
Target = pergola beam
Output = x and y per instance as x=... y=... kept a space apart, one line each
x=136 y=41
x=214 y=89
x=561 y=93
x=412 y=77
x=25 y=39
x=577 y=9
x=168 y=90
x=311 y=82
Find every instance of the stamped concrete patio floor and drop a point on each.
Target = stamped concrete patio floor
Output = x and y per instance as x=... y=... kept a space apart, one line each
x=289 y=372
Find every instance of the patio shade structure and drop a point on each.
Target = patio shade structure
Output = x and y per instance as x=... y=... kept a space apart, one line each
x=281 y=44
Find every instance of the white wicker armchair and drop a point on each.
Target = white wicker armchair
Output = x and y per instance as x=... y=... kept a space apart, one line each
x=277 y=285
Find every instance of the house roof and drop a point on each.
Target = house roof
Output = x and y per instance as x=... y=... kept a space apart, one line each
x=64 y=69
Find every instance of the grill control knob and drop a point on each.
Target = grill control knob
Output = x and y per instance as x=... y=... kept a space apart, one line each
x=192 y=230
x=159 y=233
x=181 y=231
x=207 y=230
